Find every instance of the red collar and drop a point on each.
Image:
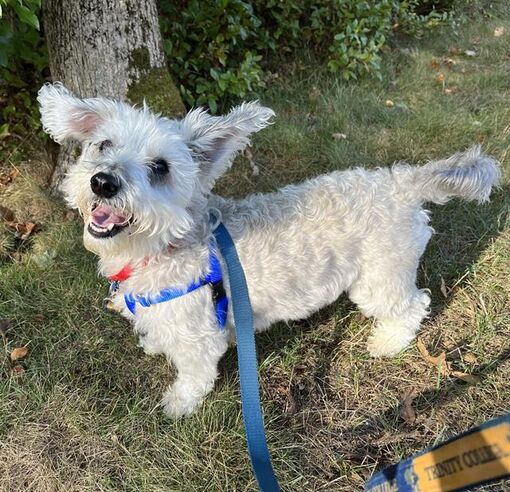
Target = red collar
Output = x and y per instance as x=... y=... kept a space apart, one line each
x=127 y=270
x=122 y=275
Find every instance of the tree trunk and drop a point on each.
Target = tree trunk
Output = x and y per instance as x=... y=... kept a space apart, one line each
x=109 y=48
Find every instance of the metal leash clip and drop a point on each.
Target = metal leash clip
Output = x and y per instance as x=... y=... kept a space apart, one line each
x=107 y=301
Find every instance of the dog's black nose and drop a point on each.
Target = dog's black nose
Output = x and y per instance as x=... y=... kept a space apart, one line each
x=105 y=185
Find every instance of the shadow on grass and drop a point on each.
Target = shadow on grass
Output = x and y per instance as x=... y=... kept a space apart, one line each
x=463 y=231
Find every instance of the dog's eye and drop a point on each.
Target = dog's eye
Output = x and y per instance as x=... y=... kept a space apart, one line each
x=105 y=144
x=158 y=167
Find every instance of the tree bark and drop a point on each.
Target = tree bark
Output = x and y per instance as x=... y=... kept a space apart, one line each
x=110 y=48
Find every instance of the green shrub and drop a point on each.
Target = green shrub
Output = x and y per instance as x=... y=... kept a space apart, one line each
x=212 y=49
x=22 y=59
x=218 y=50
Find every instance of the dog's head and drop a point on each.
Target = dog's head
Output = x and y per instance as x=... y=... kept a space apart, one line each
x=141 y=177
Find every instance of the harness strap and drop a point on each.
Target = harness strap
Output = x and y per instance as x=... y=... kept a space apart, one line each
x=213 y=278
x=247 y=360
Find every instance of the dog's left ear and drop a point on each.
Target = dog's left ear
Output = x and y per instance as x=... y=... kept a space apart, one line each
x=215 y=140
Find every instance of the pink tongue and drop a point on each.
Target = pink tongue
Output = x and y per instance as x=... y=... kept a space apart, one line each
x=103 y=216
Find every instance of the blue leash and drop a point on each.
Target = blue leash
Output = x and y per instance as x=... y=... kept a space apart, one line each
x=247 y=360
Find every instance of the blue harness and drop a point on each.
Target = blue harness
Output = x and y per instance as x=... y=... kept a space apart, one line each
x=214 y=278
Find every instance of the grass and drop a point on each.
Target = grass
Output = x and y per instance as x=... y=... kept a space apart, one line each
x=81 y=414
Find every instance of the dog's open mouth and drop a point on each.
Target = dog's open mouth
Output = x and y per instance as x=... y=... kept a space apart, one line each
x=106 y=221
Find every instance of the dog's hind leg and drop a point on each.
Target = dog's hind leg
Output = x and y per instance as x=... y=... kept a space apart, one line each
x=397 y=324
x=398 y=307
x=386 y=288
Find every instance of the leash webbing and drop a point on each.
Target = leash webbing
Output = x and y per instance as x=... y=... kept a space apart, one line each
x=477 y=457
x=247 y=361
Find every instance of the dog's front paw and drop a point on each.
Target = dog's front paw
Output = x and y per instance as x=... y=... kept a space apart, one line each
x=180 y=400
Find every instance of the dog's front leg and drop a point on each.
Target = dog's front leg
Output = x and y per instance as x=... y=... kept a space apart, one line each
x=196 y=360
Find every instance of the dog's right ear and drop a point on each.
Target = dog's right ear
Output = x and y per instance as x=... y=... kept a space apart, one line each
x=65 y=116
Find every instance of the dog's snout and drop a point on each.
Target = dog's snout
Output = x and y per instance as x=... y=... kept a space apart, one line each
x=105 y=185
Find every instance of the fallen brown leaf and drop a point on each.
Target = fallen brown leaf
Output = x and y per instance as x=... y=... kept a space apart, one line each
x=29 y=228
x=438 y=361
x=443 y=288
x=291 y=405
x=476 y=40
x=448 y=62
x=470 y=359
x=468 y=378
x=5 y=325
x=18 y=371
x=452 y=90
x=435 y=64
x=440 y=77
x=6 y=179
x=406 y=411
x=454 y=50
x=23 y=229
x=19 y=353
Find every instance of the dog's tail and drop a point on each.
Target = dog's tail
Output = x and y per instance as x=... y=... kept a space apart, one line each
x=470 y=175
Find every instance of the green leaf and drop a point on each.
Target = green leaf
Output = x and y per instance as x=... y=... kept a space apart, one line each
x=25 y=15
x=212 y=104
x=4 y=130
x=222 y=84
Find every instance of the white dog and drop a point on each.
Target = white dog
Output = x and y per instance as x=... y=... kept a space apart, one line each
x=143 y=185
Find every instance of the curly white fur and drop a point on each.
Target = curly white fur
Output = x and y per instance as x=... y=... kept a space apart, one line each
x=358 y=231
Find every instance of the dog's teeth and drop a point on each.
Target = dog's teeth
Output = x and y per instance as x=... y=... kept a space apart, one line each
x=96 y=227
x=110 y=227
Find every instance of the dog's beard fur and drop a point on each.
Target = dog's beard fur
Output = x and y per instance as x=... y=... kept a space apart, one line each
x=361 y=232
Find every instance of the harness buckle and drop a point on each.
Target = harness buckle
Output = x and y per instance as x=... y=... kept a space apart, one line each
x=218 y=290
